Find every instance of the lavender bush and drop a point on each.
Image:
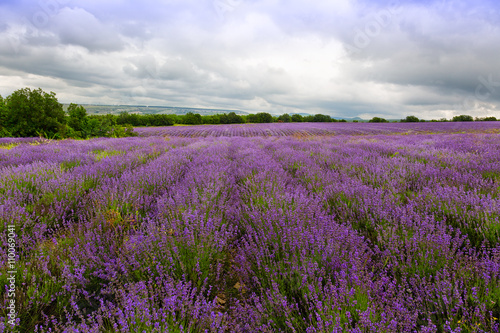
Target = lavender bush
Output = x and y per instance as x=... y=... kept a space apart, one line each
x=260 y=228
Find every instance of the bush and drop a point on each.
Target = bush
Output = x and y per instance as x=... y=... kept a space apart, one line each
x=321 y=118
x=410 y=119
x=285 y=118
x=231 y=118
x=463 y=118
x=377 y=120
x=192 y=119
x=77 y=117
x=262 y=117
x=486 y=119
x=31 y=113
x=3 y=118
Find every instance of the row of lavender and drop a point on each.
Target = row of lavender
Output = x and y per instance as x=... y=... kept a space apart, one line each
x=346 y=233
x=313 y=129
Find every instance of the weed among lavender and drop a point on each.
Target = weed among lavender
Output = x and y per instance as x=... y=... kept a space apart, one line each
x=265 y=228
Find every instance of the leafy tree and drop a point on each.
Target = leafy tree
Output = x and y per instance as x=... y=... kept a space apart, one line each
x=321 y=118
x=377 y=120
x=261 y=117
x=308 y=119
x=131 y=119
x=285 y=118
x=34 y=112
x=2 y=111
x=192 y=119
x=124 y=118
x=252 y=118
x=297 y=118
x=231 y=118
x=211 y=119
x=4 y=132
x=77 y=119
x=486 y=119
x=93 y=128
x=158 y=120
x=463 y=117
x=410 y=119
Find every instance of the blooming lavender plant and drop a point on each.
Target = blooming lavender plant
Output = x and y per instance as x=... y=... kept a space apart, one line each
x=259 y=228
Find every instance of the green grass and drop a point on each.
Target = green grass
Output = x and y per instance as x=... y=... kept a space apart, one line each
x=9 y=146
x=101 y=154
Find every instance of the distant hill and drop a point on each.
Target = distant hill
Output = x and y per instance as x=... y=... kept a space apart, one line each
x=141 y=109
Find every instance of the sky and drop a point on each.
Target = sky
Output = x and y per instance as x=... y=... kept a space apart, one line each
x=344 y=58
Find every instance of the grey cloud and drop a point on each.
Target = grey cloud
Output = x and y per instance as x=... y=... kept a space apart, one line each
x=79 y=27
x=425 y=59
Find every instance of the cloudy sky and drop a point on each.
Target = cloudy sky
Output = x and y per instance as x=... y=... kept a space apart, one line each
x=345 y=58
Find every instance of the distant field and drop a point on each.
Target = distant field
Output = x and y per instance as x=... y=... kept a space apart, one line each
x=314 y=129
x=256 y=228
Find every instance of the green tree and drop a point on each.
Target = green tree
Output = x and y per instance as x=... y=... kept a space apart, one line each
x=211 y=119
x=231 y=118
x=297 y=118
x=133 y=119
x=308 y=118
x=158 y=120
x=123 y=118
x=77 y=119
x=491 y=118
x=2 y=111
x=321 y=118
x=377 y=120
x=4 y=132
x=261 y=117
x=192 y=119
x=285 y=118
x=93 y=128
x=265 y=117
x=34 y=112
x=252 y=118
x=410 y=119
x=463 y=117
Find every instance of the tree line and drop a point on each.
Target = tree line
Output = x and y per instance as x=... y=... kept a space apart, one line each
x=463 y=117
x=262 y=117
x=229 y=118
x=28 y=113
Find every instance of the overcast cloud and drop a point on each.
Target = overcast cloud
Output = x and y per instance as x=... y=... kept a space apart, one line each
x=344 y=58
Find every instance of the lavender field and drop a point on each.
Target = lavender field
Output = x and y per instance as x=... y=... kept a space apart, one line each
x=265 y=228
x=315 y=129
